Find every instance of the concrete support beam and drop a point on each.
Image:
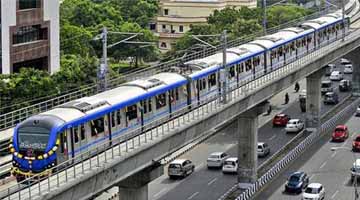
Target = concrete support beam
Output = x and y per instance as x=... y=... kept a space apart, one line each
x=247 y=125
x=135 y=187
x=354 y=57
x=313 y=99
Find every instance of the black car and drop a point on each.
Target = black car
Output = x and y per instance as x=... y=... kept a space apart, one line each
x=345 y=85
x=297 y=181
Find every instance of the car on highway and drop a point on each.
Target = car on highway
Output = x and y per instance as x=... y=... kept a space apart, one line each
x=357 y=113
x=230 y=165
x=280 y=119
x=314 y=191
x=296 y=182
x=216 y=159
x=263 y=149
x=341 y=133
x=294 y=125
x=336 y=76
x=329 y=68
x=331 y=98
x=348 y=69
x=355 y=170
x=345 y=85
x=356 y=144
x=344 y=61
x=326 y=86
x=180 y=168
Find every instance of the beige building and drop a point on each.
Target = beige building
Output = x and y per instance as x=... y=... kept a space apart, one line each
x=176 y=16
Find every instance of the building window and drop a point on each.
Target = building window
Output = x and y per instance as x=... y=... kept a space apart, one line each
x=29 y=33
x=164 y=26
x=29 y=4
x=163 y=45
x=181 y=28
x=166 y=11
x=152 y=26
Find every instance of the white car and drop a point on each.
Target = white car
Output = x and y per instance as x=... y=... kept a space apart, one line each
x=314 y=191
x=336 y=76
x=294 y=125
x=344 y=61
x=357 y=111
x=216 y=159
x=230 y=165
x=348 y=69
x=263 y=149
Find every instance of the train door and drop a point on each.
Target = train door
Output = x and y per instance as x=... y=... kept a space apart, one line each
x=161 y=105
x=133 y=116
x=213 y=87
x=117 y=122
x=75 y=140
x=258 y=65
x=62 y=152
x=146 y=112
x=194 y=92
x=175 y=100
x=232 y=76
x=202 y=89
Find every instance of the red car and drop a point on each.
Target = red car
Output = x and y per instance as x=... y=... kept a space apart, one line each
x=341 y=133
x=281 y=119
x=356 y=144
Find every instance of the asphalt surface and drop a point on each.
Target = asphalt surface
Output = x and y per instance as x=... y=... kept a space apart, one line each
x=211 y=184
x=332 y=169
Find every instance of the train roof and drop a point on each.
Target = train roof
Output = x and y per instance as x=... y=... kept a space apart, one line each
x=321 y=22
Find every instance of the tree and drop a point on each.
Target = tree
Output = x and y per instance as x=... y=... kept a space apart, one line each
x=76 y=40
x=243 y=27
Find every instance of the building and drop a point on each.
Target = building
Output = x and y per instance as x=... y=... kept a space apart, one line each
x=29 y=35
x=176 y=16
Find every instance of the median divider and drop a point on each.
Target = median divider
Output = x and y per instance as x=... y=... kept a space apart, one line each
x=310 y=136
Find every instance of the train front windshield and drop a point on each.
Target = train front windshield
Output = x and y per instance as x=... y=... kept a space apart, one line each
x=33 y=139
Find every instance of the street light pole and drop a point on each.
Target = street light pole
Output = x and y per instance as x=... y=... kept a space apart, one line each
x=264 y=17
x=225 y=70
x=103 y=70
x=343 y=18
x=354 y=158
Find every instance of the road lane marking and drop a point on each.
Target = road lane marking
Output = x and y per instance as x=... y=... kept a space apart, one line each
x=312 y=176
x=212 y=181
x=199 y=166
x=333 y=196
x=273 y=137
x=323 y=165
x=161 y=191
x=193 y=195
x=333 y=155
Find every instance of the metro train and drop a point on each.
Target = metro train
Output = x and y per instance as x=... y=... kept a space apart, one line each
x=47 y=139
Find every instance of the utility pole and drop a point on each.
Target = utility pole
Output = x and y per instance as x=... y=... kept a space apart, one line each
x=224 y=73
x=103 y=69
x=264 y=17
x=343 y=18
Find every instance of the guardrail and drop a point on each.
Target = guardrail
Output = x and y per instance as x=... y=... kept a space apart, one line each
x=10 y=119
x=327 y=126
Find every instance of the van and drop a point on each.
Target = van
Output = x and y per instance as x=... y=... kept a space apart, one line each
x=331 y=98
x=326 y=86
x=180 y=168
x=336 y=76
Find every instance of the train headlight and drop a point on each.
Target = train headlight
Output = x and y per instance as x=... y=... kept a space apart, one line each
x=51 y=152
x=40 y=157
x=54 y=148
x=45 y=155
x=12 y=150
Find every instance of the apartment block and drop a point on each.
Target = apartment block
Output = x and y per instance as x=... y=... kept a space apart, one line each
x=29 y=35
x=176 y=16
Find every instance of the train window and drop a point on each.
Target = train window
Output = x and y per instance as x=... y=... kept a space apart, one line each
x=62 y=142
x=97 y=126
x=143 y=103
x=118 y=117
x=177 y=91
x=204 y=83
x=112 y=115
x=232 y=71
x=160 y=101
x=150 y=105
x=212 y=80
x=76 y=134
x=131 y=112
x=248 y=65
x=82 y=132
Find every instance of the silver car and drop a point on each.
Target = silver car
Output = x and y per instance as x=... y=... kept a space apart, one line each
x=216 y=159
x=263 y=149
x=180 y=168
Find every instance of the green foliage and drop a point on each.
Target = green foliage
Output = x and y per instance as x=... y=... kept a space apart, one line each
x=241 y=22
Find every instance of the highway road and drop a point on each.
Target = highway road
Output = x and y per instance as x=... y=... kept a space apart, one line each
x=211 y=184
x=332 y=169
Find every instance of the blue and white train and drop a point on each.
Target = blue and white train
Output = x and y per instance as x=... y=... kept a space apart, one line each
x=47 y=139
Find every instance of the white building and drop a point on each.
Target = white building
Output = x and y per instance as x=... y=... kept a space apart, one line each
x=29 y=35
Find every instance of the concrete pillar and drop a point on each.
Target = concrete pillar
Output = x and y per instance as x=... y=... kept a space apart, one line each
x=313 y=99
x=247 y=145
x=354 y=57
x=135 y=187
